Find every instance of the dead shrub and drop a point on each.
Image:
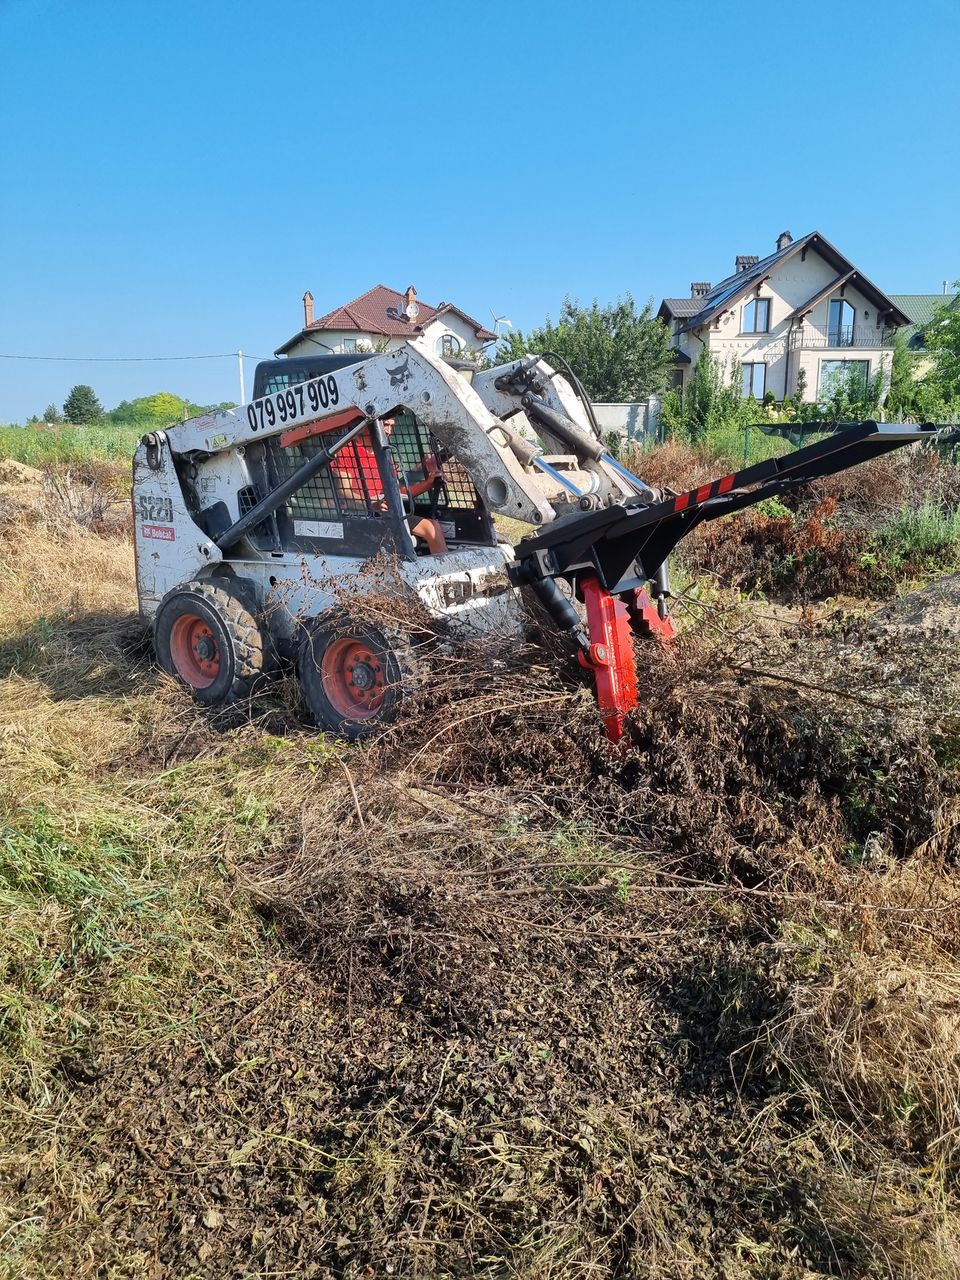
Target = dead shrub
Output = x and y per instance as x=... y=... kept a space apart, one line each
x=673 y=465
x=67 y=501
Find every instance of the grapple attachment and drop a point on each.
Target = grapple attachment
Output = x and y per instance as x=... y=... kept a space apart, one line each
x=610 y=557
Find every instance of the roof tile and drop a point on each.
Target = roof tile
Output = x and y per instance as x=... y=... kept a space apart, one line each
x=381 y=310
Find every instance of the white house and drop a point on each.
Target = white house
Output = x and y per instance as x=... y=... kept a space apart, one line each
x=803 y=316
x=382 y=319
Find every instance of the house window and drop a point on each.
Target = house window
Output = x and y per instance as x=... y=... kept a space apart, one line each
x=851 y=376
x=348 y=346
x=756 y=316
x=754 y=380
x=448 y=345
x=842 y=316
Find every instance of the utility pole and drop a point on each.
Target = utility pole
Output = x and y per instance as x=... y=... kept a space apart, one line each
x=243 y=395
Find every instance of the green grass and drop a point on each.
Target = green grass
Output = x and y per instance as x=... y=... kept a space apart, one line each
x=921 y=534
x=729 y=445
x=36 y=446
x=732 y=444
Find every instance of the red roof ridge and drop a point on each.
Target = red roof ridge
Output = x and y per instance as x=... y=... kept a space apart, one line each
x=380 y=311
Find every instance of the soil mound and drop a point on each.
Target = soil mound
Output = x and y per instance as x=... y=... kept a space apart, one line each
x=13 y=472
x=933 y=613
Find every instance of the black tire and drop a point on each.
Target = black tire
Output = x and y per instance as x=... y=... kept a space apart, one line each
x=359 y=704
x=206 y=635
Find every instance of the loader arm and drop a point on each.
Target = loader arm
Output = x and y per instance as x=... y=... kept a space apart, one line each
x=444 y=401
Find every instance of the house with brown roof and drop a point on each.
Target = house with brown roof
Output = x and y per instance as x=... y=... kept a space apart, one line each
x=382 y=319
x=802 y=317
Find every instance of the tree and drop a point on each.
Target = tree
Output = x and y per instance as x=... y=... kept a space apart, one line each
x=52 y=414
x=942 y=339
x=618 y=353
x=712 y=400
x=82 y=406
x=150 y=413
x=902 y=393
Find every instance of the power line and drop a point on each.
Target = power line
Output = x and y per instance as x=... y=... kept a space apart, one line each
x=223 y=355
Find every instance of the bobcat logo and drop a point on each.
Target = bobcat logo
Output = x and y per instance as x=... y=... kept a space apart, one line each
x=400 y=375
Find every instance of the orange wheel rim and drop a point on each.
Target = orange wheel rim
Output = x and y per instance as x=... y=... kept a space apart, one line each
x=194 y=650
x=353 y=679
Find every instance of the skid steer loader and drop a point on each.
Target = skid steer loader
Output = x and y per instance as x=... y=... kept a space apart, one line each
x=249 y=522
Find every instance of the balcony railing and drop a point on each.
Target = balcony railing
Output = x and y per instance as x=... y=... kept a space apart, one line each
x=851 y=335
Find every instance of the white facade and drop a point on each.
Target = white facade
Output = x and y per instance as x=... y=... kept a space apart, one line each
x=771 y=333
x=447 y=334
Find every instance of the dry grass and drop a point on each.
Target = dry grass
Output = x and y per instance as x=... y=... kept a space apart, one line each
x=477 y=997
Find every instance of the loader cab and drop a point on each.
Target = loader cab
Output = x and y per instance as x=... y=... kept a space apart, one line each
x=322 y=518
x=277 y=375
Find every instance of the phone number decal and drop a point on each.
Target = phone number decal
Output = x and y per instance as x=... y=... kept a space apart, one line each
x=295 y=402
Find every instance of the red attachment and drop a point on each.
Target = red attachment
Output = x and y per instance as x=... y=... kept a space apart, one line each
x=694 y=497
x=610 y=655
x=645 y=617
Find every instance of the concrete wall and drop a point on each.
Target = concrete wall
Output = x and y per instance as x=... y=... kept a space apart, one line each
x=634 y=421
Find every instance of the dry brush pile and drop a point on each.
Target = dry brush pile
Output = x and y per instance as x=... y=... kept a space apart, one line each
x=480 y=997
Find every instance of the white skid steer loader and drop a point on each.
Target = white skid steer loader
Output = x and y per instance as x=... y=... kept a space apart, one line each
x=345 y=469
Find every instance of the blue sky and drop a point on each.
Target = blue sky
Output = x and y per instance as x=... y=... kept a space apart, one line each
x=174 y=177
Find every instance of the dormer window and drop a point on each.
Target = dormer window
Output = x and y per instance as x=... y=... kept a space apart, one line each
x=756 y=316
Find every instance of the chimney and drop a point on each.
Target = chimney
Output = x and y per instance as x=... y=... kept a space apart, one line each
x=699 y=288
x=307 y=309
x=410 y=296
x=745 y=260
x=783 y=239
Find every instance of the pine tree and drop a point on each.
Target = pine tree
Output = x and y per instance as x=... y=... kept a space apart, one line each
x=82 y=406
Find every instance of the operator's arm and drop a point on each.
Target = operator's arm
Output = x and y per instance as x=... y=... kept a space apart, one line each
x=432 y=469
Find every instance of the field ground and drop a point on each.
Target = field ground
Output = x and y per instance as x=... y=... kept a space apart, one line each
x=479 y=998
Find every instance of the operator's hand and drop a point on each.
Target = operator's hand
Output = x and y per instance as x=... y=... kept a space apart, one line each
x=431 y=467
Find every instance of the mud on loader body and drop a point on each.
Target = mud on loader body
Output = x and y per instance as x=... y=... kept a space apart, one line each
x=250 y=523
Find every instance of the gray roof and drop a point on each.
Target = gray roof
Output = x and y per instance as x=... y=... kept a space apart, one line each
x=682 y=307
x=724 y=294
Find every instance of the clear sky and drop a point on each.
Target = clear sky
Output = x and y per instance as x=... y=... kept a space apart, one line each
x=174 y=176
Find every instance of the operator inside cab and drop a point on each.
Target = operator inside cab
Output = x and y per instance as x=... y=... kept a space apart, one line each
x=358 y=477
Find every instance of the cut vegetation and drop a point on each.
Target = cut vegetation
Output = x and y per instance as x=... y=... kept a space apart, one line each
x=481 y=998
